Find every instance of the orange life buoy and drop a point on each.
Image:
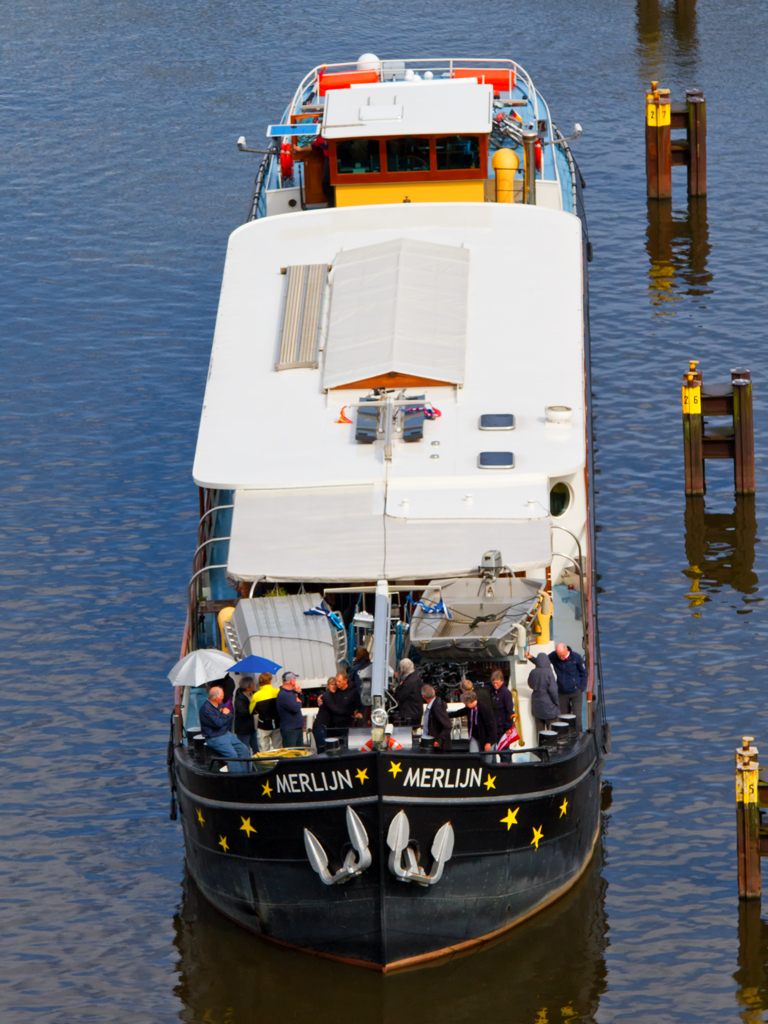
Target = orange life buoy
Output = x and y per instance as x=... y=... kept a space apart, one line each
x=286 y=160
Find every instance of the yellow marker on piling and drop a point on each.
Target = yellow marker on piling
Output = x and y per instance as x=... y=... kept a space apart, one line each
x=748 y=820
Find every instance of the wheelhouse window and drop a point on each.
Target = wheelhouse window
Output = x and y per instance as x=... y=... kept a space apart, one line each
x=408 y=153
x=457 y=152
x=358 y=156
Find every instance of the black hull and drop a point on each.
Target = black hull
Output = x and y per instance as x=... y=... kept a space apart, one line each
x=523 y=835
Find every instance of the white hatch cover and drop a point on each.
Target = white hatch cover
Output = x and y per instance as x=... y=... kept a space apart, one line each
x=398 y=306
x=450 y=107
x=338 y=534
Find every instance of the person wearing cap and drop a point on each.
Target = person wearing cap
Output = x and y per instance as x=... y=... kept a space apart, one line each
x=289 y=704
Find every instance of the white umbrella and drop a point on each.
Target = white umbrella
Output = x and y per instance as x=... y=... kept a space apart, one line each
x=200 y=667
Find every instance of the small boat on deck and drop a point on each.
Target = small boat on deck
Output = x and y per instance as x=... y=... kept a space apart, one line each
x=395 y=453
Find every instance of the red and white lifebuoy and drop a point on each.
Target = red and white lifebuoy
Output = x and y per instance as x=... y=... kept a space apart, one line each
x=286 y=159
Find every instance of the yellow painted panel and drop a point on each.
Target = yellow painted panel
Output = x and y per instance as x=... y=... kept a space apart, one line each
x=658 y=115
x=416 y=191
x=691 y=400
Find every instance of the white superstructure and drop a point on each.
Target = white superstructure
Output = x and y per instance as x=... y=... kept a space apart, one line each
x=311 y=502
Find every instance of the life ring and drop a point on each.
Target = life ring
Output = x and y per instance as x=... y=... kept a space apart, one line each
x=286 y=160
x=537 y=152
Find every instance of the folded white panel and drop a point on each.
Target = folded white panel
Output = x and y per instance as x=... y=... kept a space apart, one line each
x=399 y=305
x=338 y=534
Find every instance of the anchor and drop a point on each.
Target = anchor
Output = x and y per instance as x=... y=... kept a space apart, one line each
x=356 y=860
x=398 y=838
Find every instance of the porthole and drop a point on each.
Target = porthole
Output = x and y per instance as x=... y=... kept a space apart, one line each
x=559 y=499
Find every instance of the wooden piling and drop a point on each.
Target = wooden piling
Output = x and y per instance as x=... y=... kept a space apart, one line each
x=702 y=440
x=662 y=152
x=743 y=433
x=747 y=821
x=697 y=142
x=658 y=144
x=692 y=434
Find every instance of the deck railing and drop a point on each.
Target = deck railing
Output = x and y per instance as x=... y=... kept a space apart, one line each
x=393 y=70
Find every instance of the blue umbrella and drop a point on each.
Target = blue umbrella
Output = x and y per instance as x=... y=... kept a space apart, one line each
x=253 y=663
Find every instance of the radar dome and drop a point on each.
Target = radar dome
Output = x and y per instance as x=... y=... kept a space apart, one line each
x=369 y=62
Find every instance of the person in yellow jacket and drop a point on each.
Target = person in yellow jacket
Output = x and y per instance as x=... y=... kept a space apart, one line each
x=264 y=704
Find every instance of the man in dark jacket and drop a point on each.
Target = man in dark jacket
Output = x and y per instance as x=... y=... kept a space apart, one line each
x=483 y=695
x=502 y=703
x=571 y=674
x=244 y=728
x=408 y=694
x=215 y=723
x=344 y=706
x=437 y=724
x=482 y=727
x=289 y=705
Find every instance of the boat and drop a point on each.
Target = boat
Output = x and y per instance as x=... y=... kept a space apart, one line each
x=395 y=452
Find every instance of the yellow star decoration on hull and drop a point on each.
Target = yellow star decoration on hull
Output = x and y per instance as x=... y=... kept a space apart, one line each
x=246 y=827
x=362 y=774
x=563 y=807
x=200 y=817
x=510 y=819
x=266 y=789
x=538 y=835
x=223 y=843
x=490 y=783
x=394 y=768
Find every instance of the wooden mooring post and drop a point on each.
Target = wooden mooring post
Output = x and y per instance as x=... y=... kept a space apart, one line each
x=734 y=441
x=748 y=820
x=662 y=152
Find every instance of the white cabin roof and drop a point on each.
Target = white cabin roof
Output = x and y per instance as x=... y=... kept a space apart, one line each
x=314 y=503
x=410 y=299
x=408 y=108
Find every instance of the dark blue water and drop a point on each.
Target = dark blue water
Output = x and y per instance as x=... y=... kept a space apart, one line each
x=120 y=183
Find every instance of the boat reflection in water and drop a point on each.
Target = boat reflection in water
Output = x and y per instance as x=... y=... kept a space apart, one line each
x=720 y=551
x=228 y=976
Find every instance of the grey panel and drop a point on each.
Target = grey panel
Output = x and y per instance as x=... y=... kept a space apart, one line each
x=482 y=625
x=277 y=628
x=301 y=316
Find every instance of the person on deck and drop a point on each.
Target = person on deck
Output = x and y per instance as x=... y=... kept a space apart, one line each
x=571 y=673
x=322 y=720
x=215 y=723
x=483 y=695
x=264 y=704
x=244 y=727
x=502 y=704
x=345 y=707
x=482 y=727
x=437 y=724
x=410 y=706
x=545 y=702
x=362 y=660
x=289 y=704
